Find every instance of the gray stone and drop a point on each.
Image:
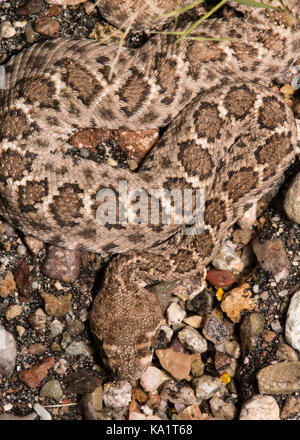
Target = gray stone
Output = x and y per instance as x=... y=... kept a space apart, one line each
x=251 y=327
x=53 y=390
x=175 y=393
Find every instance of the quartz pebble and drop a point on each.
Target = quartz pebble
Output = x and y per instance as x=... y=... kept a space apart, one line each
x=175 y=314
x=118 y=394
x=292 y=324
x=208 y=386
x=152 y=378
x=192 y=339
x=42 y=412
x=8 y=352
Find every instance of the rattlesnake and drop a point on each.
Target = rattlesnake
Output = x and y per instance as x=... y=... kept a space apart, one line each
x=226 y=134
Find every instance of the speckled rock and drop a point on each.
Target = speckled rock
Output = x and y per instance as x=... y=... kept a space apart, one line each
x=8 y=353
x=236 y=301
x=291 y=408
x=77 y=348
x=278 y=379
x=62 y=264
x=292 y=324
x=260 y=408
x=57 y=305
x=217 y=328
x=251 y=327
x=13 y=311
x=192 y=339
x=52 y=389
x=7 y=285
x=152 y=378
x=174 y=392
x=208 y=386
x=292 y=200
x=117 y=394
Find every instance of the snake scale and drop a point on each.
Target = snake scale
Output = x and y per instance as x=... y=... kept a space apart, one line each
x=226 y=134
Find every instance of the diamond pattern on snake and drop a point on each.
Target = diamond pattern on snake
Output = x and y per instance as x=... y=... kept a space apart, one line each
x=225 y=133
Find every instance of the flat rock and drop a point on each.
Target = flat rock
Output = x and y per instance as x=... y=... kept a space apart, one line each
x=278 y=379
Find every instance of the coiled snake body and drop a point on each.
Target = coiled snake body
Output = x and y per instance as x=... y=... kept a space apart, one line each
x=226 y=134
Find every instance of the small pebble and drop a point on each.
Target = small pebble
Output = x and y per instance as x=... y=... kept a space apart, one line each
x=220 y=278
x=278 y=379
x=252 y=326
x=53 y=390
x=192 y=339
x=273 y=258
x=62 y=264
x=152 y=378
x=221 y=409
x=216 y=328
x=34 y=375
x=38 y=321
x=260 y=408
x=227 y=259
x=292 y=324
x=57 y=305
x=236 y=301
x=13 y=311
x=7 y=30
x=117 y=394
x=285 y=353
x=56 y=328
x=176 y=363
x=77 y=348
x=208 y=386
x=175 y=314
x=175 y=393
x=7 y=285
x=8 y=352
x=42 y=412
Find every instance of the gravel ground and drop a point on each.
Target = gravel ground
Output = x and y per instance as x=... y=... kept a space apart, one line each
x=54 y=370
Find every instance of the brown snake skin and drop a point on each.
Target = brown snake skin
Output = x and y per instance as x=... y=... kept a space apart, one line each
x=227 y=134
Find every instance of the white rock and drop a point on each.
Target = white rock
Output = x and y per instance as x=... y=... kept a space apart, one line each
x=292 y=324
x=56 y=328
x=208 y=386
x=152 y=378
x=248 y=219
x=7 y=30
x=42 y=412
x=292 y=200
x=168 y=332
x=175 y=314
x=8 y=353
x=227 y=259
x=192 y=339
x=117 y=394
x=260 y=407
